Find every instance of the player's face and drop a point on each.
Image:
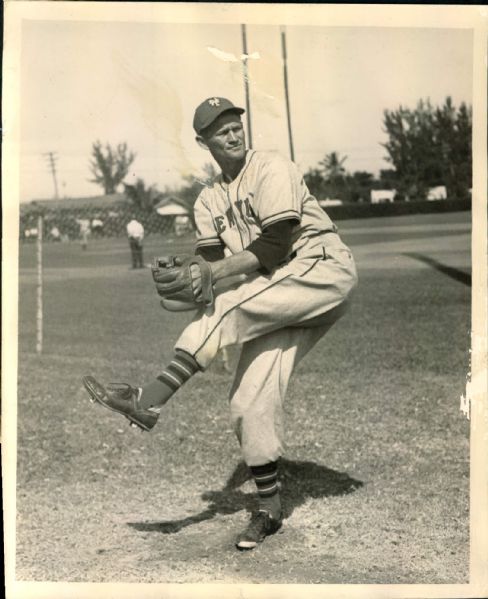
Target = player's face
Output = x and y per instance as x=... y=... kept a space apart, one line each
x=225 y=138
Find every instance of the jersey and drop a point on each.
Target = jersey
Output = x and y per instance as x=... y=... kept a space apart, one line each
x=277 y=316
x=268 y=189
x=135 y=230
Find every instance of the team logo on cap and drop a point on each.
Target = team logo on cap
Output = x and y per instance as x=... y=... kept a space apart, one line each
x=214 y=102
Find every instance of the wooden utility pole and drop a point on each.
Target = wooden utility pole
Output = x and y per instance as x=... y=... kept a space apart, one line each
x=51 y=156
x=246 y=83
x=287 y=99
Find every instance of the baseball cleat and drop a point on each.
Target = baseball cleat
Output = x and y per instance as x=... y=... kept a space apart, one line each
x=121 y=398
x=262 y=525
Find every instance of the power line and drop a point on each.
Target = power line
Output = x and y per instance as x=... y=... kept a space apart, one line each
x=52 y=158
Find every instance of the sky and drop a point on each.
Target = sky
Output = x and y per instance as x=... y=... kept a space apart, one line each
x=139 y=83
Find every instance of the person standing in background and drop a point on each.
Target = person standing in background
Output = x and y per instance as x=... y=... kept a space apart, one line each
x=135 y=232
x=84 y=232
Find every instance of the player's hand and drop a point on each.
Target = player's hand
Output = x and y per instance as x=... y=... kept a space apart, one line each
x=196 y=281
x=187 y=279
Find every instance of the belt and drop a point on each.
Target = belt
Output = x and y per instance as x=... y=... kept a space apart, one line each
x=288 y=259
x=294 y=254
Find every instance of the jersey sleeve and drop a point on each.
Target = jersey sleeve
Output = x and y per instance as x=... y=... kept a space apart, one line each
x=273 y=246
x=278 y=194
x=205 y=227
x=211 y=253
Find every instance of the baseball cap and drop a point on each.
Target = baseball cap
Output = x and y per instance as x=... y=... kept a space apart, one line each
x=210 y=109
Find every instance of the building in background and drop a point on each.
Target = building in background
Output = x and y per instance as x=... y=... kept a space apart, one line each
x=330 y=202
x=180 y=210
x=437 y=193
x=382 y=196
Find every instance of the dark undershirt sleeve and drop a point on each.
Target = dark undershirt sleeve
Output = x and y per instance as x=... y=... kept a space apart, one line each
x=211 y=253
x=273 y=246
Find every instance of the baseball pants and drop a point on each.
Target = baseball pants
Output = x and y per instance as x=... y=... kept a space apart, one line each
x=277 y=318
x=136 y=252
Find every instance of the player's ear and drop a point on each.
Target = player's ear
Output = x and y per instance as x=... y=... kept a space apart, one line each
x=201 y=142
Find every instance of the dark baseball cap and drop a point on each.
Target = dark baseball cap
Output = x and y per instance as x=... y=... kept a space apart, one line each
x=210 y=109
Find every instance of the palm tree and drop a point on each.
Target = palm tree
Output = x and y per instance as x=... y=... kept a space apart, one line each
x=332 y=167
x=142 y=197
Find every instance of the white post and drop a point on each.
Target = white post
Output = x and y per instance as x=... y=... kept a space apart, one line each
x=40 y=225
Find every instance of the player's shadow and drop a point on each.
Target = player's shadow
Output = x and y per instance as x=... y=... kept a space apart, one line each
x=299 y=482
x=456 y=274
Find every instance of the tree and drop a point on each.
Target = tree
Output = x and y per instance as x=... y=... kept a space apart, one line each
x=191 y=189
x=358 y=186
x=332 y=180
x=315 y=182
x=454 y=145
x=331 y=170
x=411 y=148
x=429 y=147
x=110 y=166
x=388 y=179
x=141 y=196
x=332 y=167
x=194 y=185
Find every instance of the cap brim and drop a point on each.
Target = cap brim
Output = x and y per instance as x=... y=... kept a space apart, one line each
x=237 y=109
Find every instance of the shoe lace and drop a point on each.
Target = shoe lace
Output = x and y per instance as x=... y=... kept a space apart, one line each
x=123 y=389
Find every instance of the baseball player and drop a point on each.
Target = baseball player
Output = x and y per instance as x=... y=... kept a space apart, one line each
x=297 y=278
x=135 y=233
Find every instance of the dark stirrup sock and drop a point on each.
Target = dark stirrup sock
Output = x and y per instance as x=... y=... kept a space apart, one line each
x=179 y=370
x=266 y=479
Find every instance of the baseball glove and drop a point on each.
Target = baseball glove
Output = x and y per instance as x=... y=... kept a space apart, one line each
x=175 y=282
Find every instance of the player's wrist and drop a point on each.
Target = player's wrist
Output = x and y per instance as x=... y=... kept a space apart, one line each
x=243 y=263
x=216 y=269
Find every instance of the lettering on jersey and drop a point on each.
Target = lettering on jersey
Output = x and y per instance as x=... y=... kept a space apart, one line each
x=230 y=217
x=243 y=211
x=219 y=224
x=249 y=210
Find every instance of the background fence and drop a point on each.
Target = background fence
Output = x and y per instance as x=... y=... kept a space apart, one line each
x=112 y=221
x=109 y=222
x=357 y=210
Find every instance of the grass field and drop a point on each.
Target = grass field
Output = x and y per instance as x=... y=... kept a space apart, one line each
x=376 y=475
